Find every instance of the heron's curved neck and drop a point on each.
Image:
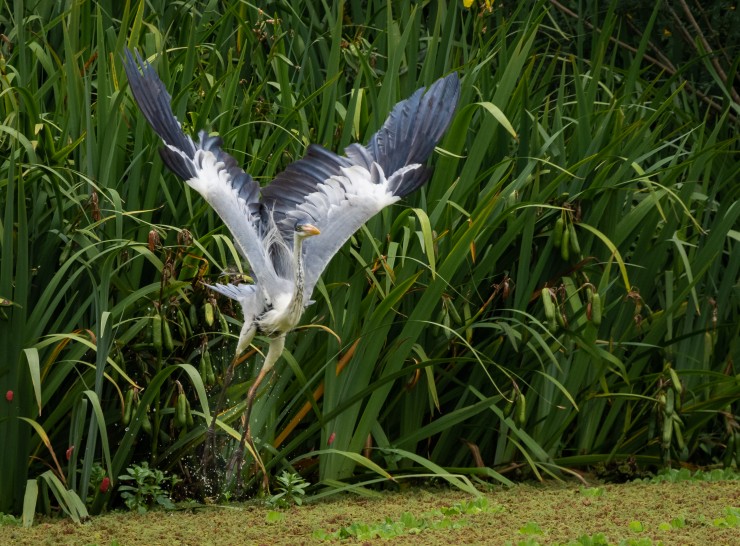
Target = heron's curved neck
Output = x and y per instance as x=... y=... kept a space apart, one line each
x=297 y=303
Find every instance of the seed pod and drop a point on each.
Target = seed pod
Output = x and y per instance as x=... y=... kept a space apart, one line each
x=675 y=380
x=596 y=309
x=203 y=371
x=208 y=313
x=677 y=432
x=667 y=432
x=521 y=409
x=128 y=406
x=206 y=362
x=210 y=374
x=574 y=245
x=224 y=324
x=167 y=336
x=181 y=410
x=146 y=424
x=182 y=325
x=557 y=232
x=550 y=310
x=508 y=408
x=188 y=414
x=670 y=400
x=565 y=245
x=157 y=331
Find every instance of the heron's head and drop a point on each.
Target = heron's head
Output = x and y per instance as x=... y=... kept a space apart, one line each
x=304 y=229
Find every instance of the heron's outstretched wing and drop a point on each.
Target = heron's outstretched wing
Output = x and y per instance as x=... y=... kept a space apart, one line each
x=205 y=167
x=408 y=136
x=339 y=194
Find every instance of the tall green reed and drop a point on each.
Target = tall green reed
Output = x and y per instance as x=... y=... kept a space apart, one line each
x=428 y=343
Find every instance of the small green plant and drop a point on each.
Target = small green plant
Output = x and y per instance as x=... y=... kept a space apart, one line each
x=531 y=528
x=97 y=475
x=675 y=475
x=598 y=539
x=291 y=490
x=147 y=488
x=273 y=516
x=731 y=518
x=475 y=506
x=592 y=491
x=408 y=524
x=675 y=523
x=7 y=519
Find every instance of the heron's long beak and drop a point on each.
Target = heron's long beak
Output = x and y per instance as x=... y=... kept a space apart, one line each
x=310 y=229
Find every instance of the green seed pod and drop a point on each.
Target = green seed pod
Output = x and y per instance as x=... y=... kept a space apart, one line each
x=181 y=410
x=521 y=409
x=561 y=319
x=508 y=408
x=224 y=324
x=210 y=374
x=167 y=336
x=146 y=424
x=203 y=371
x=678 y=434
x=574 y=245
x=157 y=331
x=208 y=313
x=182 y=325
x=675 y=380
x=550 y=311
x=565 y=245
x=548 y=303
x=670 y=400
x=667 y=433
x=128 y=406
x=208 y=367
x=557 y=232
x=596 y=309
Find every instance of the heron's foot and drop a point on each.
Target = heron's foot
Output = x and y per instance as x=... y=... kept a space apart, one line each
x=234 y=468
x=209 y=450
x=209 y=471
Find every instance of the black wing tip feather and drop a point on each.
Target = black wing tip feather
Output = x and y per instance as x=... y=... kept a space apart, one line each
x=415 y=126
x=410 y=181
x=154 y=100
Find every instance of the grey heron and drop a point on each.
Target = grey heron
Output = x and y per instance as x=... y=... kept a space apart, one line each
x=289 y=230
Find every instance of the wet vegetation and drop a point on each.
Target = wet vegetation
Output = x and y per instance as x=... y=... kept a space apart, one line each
x=561 y=298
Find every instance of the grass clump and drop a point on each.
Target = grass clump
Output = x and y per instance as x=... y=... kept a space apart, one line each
x=450 y=517
x=675 y=475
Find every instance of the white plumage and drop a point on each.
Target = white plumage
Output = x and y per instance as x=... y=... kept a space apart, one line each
x=289 y=230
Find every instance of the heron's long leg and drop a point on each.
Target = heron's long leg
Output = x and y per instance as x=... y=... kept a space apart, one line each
x=273 y=353
x=245 y=338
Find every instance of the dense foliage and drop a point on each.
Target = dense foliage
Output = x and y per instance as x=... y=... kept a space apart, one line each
x=562 y=295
